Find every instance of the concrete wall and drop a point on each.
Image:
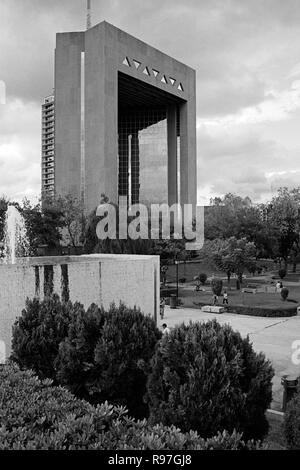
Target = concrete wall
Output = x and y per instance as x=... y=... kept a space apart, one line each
x=100 y=279
x=105 y=48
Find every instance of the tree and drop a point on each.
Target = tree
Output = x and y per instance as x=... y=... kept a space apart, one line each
x=283 y=217
x=232 y=255
x=71 y=209
x=43 y=224
x=3 y=209
x=167 y=249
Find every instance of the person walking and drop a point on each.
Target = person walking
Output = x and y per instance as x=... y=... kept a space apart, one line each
x=225 y=297
x=162 y=307
x=166 y=330
x=215 y=299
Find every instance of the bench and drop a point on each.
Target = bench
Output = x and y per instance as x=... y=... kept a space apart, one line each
x=213 y=309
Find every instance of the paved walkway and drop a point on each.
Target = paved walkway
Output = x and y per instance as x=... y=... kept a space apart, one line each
x=273 y=336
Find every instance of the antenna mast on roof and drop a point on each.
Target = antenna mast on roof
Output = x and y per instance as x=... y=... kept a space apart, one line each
x=89 y=15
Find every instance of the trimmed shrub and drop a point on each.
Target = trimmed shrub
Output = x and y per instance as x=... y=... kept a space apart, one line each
x=36 y=415
x=203 y=278
x=292 y=423
x=282 y=273
x=106 y=356
x=98 y=355
x=216 y=286
x=38 y=333
x=206 y=377
x=284 y=293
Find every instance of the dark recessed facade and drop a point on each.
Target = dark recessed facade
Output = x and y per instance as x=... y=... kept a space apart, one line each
x=125 y=120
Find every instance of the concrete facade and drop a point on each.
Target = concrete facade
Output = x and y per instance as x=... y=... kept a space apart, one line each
x=100 y=279
x=91 y=67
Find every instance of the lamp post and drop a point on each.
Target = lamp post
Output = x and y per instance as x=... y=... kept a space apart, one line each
x=177 y=288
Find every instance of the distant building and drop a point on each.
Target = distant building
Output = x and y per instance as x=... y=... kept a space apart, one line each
x=125 y=121
x=48 y=147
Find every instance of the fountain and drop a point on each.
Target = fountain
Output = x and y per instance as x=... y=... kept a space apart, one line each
x=16 y=243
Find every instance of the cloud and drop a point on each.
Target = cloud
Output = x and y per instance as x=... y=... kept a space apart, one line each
x=20 y=150
x=277 y=106
x=241 y=161
x=246 y=56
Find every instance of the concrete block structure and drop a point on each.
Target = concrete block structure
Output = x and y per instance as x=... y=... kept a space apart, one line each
x=100 y=279
x=125 y=120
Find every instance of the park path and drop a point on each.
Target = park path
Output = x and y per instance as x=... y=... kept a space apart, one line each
x=273 y=336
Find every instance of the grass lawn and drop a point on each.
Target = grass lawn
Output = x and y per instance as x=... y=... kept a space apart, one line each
x=237 y=298
x=190 y=270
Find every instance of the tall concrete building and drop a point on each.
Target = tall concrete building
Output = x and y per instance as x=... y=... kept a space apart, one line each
x=48 y=139
x=125 y=120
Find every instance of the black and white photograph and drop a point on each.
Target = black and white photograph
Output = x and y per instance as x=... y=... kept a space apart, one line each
x=150 y=229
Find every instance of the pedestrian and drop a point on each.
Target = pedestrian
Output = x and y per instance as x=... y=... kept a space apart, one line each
x=278 y=286
x=215 y=299
x=162 y=307
x=225 y=297
x=166 y=330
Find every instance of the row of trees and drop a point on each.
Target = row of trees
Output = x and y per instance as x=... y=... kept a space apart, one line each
x=273 y=227
x=237 y=232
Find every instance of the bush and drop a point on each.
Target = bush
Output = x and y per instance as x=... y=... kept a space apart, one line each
x=36 y=415
x=206 y=377
x=203 y=278
x=282 y=273
x=292 y=422
x=216 y=286
x=284 y=293
x=38 y=333
x=106 y=356
x=99 y=355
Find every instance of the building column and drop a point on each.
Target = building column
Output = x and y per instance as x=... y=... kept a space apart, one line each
x=172 y=155
x=188 y=153
x=135 y=168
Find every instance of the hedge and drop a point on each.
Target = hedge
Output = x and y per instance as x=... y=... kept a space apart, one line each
x=35 y=415
x=257 y=311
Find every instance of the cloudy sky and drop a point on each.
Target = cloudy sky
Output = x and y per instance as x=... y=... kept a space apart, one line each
x=247 y=57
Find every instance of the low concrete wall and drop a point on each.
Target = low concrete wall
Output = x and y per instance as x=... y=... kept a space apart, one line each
x=100 y=279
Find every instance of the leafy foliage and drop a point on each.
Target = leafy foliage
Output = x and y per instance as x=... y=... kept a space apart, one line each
x=3 y=209
x=282 y=273
x=36 y=415
x=203 y=278
x=39 y=331
x=206 y=377
x=99 y=355
x=292 y=422
x=284 y=293
x=216 y=286
x=284 y=221
x=106 y=356
x=167 y=249
x=43 y=224
x=232 y=255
